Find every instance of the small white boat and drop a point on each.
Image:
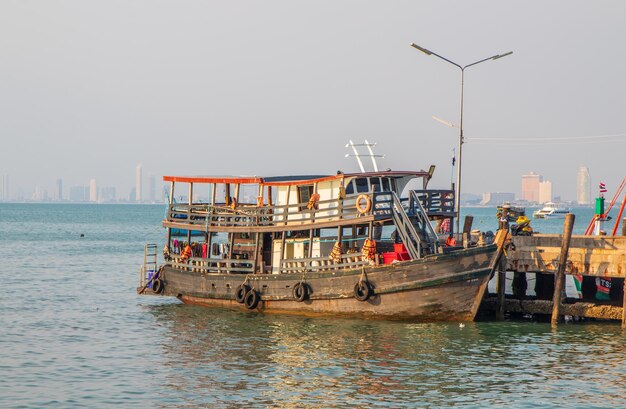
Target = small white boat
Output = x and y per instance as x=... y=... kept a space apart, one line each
x=551 y=211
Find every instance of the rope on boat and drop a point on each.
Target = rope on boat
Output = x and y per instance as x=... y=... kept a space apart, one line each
x=363 y=275
x=154 y=277
x=362 y=289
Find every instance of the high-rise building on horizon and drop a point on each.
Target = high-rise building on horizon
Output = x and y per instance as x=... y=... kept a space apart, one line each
x=4 y=192
x=138 y=196
x=40 y=194
x=93 y=191
x=108 y=194
x=545 y=191
x=59 y=192
x=583 y=187
x=79 y=193
x=530 y=187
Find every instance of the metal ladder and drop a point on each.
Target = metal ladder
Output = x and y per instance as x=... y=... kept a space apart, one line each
x=415 y=244
x=423 y=222
x=149 y=262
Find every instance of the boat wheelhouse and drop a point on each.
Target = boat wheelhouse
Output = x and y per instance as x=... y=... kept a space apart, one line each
x=342 y=244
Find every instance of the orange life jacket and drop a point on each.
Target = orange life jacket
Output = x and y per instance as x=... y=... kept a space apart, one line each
x=186 y=253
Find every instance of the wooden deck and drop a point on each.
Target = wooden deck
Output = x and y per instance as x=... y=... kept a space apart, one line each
x=603 y=256
x=587 y=256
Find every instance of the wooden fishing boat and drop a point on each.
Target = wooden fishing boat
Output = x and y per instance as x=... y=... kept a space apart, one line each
x=343 y=244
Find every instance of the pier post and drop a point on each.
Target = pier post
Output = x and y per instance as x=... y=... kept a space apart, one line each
x=500 y=287
x=467 y=224
x=559 y=278
x=501 y=239
x=624 y=307
x=467 y=230
x=624 y=227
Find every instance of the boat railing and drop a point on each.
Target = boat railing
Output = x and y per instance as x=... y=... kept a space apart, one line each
x=221 y=215
x=316 y=264
x=213 y=265
x=434 y=202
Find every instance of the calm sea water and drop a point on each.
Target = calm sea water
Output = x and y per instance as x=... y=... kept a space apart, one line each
x=73 y=333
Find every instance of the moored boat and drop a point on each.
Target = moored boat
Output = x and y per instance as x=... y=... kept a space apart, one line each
x=551 y=211
x=343 y=244
x=512 y=212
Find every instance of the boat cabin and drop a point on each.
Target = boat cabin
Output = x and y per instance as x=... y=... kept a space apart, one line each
x=288 y=224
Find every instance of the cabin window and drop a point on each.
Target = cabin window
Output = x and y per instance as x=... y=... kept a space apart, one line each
x=376 y=185
x=304 y=194
x=361 y=185
x=385 y=184
x=350 y=188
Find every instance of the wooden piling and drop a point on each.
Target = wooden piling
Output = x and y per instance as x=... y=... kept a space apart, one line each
x=624 y=304
x=500 y=288
x=467 y=224
x=559 y=278
x=501 y=240
x=624 y=227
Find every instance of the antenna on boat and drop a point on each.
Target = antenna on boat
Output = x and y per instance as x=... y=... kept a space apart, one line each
x=358 y=156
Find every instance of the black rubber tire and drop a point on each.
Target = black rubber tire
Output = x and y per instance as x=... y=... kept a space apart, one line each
x=251 y=300
x=157 y=286
x=240 y=293
x=362 y=291
x=300 y=291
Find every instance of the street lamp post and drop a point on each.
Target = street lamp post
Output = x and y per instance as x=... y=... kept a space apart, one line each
x=457 y=194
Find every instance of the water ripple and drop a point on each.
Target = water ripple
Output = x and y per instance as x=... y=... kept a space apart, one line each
x=74 y=334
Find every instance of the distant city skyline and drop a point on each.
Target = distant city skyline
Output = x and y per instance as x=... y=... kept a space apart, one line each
x=533 y=186
x=90 y=191
x=91 y=89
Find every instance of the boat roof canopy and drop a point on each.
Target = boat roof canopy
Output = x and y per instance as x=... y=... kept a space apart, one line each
x=290 y=180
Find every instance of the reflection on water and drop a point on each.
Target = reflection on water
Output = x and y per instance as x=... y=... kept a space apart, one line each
x=75 y=334
x=224 y=358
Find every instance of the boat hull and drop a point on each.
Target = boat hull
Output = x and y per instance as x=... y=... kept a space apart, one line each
x=446 y=287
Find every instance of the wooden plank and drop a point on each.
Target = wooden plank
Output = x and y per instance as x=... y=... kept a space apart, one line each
x=600 y=256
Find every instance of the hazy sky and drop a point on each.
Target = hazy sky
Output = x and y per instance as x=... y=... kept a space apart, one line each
x=88 y=89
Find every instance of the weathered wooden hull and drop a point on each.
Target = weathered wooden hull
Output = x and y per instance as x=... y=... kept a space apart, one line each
x=438 y=288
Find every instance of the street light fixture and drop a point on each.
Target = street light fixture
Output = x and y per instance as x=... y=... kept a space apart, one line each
x=457 y=196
